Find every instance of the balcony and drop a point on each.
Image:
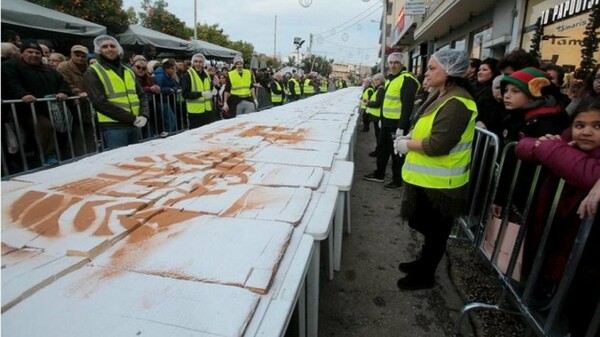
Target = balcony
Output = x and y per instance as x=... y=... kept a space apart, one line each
x=443 y=15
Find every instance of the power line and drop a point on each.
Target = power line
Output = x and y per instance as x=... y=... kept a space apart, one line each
x=332 y=31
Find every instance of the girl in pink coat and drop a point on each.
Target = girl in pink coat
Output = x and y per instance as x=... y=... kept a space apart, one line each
x=574 y=157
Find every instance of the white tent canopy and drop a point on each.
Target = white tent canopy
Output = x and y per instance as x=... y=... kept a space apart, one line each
x=46 y=22
x=142 y=36
x=210 y=49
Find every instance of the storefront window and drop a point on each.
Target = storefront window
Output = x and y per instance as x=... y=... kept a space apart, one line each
x=460 y=44
x=477 y=50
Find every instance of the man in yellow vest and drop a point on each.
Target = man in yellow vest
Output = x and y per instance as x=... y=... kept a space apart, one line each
x=294 y=88
x=400 y=91
x=197 y=89
x=240 y=94
x=309 y=85
x=119 y=100
x=277 y=90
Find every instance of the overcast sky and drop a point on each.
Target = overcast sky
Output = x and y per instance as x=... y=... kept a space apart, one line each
x=342 y=29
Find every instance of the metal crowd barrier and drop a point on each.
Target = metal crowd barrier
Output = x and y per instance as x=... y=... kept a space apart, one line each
x=68 y=130
x=519 y=290
x=484 y=171
x=263 y=95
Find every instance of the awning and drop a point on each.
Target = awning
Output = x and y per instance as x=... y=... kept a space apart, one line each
x=137 y=35
x=210 y=49
x=46 y=23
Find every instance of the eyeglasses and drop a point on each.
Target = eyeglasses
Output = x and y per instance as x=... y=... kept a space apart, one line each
x=54 y=60
x=140 y=67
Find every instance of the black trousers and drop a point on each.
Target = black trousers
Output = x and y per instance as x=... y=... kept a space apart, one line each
x=435 y=227
x=198 y=120
x=377 y=130
x=385 y=150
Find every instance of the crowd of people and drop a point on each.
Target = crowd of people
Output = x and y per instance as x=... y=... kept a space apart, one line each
x=134 y=96
x=430 y=126
x=426 y=126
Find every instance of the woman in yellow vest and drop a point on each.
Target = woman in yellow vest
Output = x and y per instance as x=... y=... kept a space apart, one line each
x=366 y=95
x=373 y=105
x=436 y=170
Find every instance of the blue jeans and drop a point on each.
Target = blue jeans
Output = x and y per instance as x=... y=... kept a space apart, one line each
x=118 y=137
x=169 y=119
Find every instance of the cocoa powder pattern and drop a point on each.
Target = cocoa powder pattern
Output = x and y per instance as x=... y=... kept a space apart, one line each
x=40 y=211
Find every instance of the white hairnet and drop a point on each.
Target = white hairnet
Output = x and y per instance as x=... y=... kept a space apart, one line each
x=198 y=56
x=379 y=76
x=102 y=39
x=395 y=56
x=238 y=58
x=455 y=62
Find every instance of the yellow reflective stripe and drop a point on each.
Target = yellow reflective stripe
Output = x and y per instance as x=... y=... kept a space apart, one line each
x=105 y=80
x=438 y=171
x=461 y=147
x=392 y=98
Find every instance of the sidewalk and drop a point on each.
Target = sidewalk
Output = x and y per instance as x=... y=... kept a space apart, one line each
x=363 y=300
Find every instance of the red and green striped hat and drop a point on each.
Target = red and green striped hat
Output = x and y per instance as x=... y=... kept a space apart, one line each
x=530 y=80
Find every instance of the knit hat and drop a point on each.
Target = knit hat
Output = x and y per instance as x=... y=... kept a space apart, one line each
x=31 y=44
x=529 y=80
x=238 y=58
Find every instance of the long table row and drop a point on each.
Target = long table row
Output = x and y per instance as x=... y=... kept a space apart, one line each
x=212 y=232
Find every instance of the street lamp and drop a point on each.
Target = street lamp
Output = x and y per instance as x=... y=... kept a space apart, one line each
x=298 y=42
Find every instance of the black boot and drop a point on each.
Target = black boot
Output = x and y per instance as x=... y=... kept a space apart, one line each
x=411 y=267
x=416 y=281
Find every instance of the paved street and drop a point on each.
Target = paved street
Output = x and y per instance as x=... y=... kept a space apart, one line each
x=363 y=299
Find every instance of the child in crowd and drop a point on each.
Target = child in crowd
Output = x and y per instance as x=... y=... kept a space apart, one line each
x=531 y=112
x=574 y=157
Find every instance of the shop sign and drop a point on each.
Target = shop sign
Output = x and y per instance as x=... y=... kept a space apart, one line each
x=415 y=7
x=567 y=9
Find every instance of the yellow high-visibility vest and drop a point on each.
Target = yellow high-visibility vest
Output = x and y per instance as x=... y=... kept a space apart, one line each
x=297 y=90
x=366 y=96
x=324 y=86
x=277 y=98
x=240 y=85
x=441 y=172
x=374 y=111
x=198 y=105
x=392 y=105
x=119 y=91
x=308 y=87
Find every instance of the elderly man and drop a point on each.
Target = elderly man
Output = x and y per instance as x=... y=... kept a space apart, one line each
x=400 y=91
x=72 y=72
x=277 y=90
x=122 y=112
x=240 y=94
x=197 y=89
x=28 y=79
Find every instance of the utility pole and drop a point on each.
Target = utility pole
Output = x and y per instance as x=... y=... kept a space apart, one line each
x=310 y=44
x=195 y=19
x=383 y=36
x=275 y=40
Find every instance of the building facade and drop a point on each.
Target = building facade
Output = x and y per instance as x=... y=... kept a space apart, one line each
x=487 y=28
